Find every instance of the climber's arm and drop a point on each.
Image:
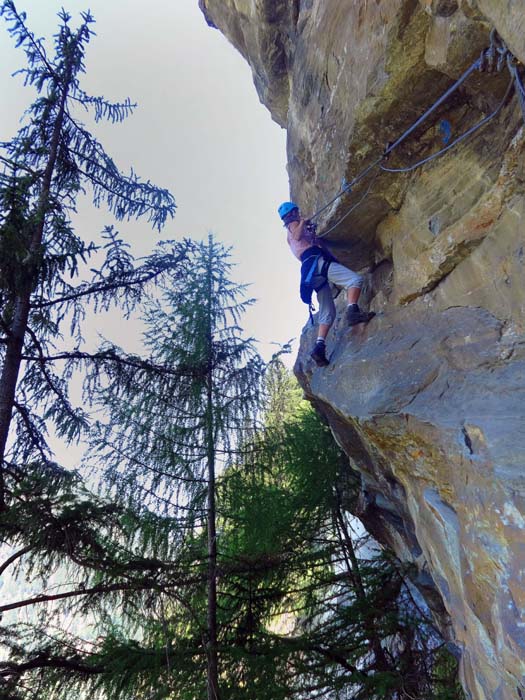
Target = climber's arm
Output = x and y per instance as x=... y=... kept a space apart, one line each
x=296 y=229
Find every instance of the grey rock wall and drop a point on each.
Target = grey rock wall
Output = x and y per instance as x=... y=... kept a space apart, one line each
x=427 y=400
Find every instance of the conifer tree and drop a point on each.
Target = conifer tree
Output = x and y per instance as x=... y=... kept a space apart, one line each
x=46 y=166
x=315 y=611
x=301 y=607
x=48 y=519
x=190 y=422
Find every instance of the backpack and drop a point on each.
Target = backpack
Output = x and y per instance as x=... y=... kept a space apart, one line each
x=308 y=273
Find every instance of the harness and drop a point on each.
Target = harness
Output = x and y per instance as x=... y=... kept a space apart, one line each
x=309 y=264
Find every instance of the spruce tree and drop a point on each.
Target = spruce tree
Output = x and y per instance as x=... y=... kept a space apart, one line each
x=51 y=277
x=46 y=166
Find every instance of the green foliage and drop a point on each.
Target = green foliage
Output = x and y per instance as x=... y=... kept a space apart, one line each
x=445 y=676
x=155 y=446
x=50 y=524
x=43 y=169
x=308 y=610
x=296 y=617
x=303 y=608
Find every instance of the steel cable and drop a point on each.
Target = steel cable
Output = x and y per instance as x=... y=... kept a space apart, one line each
x=486 y=60
x=467 y=133
x=391 y=147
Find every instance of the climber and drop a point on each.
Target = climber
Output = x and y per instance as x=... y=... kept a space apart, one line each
x=318 y=268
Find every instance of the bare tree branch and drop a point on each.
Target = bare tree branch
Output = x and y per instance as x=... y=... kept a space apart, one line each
x=42 y=661
x=97 y=288
x=14 y=557
x=71 y=594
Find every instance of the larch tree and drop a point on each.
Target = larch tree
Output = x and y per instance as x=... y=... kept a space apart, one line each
x=320 y=612
x=187 y=424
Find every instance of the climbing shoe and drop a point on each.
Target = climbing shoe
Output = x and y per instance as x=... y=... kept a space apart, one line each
x=354 y=316
x=318 y=355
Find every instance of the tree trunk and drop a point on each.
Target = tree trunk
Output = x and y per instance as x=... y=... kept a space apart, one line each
x=213 y=666
x=353 y=568
x=22 y=301
x=212 y=655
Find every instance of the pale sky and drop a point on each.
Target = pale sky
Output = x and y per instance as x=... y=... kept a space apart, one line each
x=199 y=130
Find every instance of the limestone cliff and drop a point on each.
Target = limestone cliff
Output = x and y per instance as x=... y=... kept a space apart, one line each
x=427 y=400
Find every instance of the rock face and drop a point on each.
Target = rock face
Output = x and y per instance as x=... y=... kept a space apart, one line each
x=428 y=399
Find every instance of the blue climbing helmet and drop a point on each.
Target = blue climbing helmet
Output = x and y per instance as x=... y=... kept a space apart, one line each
x=286 y=208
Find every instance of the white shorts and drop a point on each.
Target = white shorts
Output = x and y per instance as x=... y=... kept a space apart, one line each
x=342 y=277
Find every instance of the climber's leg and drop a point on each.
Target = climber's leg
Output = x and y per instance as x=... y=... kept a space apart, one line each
x=326 y=317
x=344 y=277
